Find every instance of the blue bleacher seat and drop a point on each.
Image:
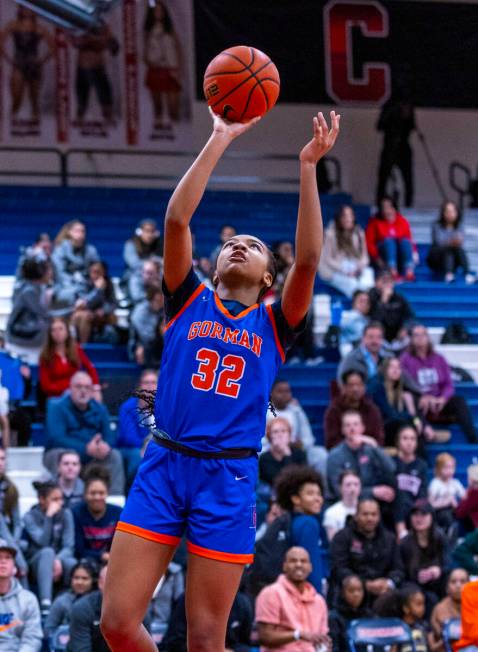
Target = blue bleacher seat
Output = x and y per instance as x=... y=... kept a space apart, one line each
x=381 y=633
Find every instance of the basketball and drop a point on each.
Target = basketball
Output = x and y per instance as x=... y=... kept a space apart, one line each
x=241 y=83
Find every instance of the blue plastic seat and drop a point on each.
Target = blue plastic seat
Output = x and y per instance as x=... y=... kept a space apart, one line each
x=381 y=633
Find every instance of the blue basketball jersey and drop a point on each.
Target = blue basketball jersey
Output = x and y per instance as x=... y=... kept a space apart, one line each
x=217 y=371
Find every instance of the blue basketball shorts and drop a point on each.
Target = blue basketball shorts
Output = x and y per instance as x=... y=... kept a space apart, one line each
x=212 y=501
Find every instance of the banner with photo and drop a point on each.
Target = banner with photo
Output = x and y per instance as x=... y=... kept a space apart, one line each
x=128 y=84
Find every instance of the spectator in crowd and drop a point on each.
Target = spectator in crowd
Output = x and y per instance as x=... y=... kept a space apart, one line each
x=16 y=378
x=465 y=554
x=227 y=232
x=446 y=255
x=368 y=356
x=68 y=478
x=27 y=323
x=352 y=396
x=291 y=610
x=349 y=605
x=394 y=395
x=135 y=424
x=166 y=595
x=10 y=522
x=336 y=516
x=281 y=453
x=94 y=308
x=274 y=510
x=354 y=321
x=448 y=608
x=148 y=277
x=289 y=407
x=285 y=257
x=445 y=491
x=82 y=582
x=408 y=604
x=344 y=262
x=469 y=623
x=146 y=332
x=95 y=519
x=72 y=257
x=19 y=612
x=61 y=358
x=85 y=633
x=392 y=310
x=365 y=548
x=40 y=250
x=432 y=373
x=411 y=473
x=299 y=492
x=424 y=553
x=389 y=241
x=77 y=421
x=369 y=461
x=50 y=535
x=467 y=508
x=145 y=244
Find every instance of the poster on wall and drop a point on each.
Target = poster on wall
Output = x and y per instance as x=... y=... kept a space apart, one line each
x=127 y=84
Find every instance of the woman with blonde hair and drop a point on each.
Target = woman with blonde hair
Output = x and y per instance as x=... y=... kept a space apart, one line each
x=281 y=453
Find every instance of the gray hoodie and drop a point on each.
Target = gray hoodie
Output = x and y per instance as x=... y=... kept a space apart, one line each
x=20 y=625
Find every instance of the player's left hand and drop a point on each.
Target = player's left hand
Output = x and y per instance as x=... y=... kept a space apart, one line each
x=230 y=129
x=323 y=139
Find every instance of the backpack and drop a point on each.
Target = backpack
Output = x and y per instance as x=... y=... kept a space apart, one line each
x=456 y=333
x=269 y=554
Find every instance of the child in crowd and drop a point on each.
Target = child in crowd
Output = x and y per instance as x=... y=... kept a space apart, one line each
x=407 y=603
x=353 y=321
x=335 y=517
x=350 y=604
x=445 y=491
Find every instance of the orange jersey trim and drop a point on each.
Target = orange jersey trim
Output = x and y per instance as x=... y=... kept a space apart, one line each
x=217 y=555
x=196 y=292
x=226 y=312
x=276 y=335
x=148 y=534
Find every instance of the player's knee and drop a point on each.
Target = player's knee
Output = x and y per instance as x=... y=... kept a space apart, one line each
x=204 y=638
x=115 y=627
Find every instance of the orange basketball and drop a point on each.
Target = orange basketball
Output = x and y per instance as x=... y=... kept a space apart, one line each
x=241 y=83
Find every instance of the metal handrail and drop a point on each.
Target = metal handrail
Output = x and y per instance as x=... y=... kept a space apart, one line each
x=454 y=167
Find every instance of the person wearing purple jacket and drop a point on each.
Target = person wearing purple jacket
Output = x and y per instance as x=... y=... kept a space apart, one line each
x=432 y=373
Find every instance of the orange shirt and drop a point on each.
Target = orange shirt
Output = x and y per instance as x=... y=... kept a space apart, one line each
x=469 y=617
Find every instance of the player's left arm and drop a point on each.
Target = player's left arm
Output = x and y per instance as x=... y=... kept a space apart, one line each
x=299 y=285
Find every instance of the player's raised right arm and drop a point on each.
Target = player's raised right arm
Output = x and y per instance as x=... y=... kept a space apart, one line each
x=185 y=199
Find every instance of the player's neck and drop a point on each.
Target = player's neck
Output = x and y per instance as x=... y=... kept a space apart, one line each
x=245 y=295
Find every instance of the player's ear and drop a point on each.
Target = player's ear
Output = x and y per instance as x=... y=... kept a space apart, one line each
x=215 y=280
x=267 y=279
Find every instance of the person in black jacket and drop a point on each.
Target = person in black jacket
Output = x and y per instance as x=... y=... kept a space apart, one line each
x=350 y=604
x=392 y=310
x=85 y=633
x=365 y=548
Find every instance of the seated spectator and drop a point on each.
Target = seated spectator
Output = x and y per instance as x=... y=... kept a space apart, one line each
x=135 y=424
x=394 y=394
x=148 y=277
x=289 y=407
x=82 y=582
x=284 y=256
x=467 y=508
x=389 y=241
x=16 y=381
x=85 y=615
x=349 y=605
x=411 y=473
x=446 y=255
x=424 y=553
x=448 y=608
x=72 y=257
x=146 y=332
x=354 y=321
x=60 y=359
x=227 y=232
x=469 y=623
x=95 y=519
x=335 y=517
x=352 y=396
x=344 y=262
x=284 y=609
x=299 y=493
x=145 y=244
x=170 y=588
x=10 y=522
x=368 y=356
x=365 y=548
x=274 y=510
x=76 y=421
x=68 y=478
x=280 y=453
x=445 y=492
x=408 y=604
x=368 y=461
x=432 y=373
x=50 y=537
x=392 y=310
x=40 y=250
x=27 y=323
x=94 y=307
x=21 y=625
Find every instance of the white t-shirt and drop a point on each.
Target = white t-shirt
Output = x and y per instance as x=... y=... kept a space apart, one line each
x=439 y=490
x=4 y=398
x=336 y=515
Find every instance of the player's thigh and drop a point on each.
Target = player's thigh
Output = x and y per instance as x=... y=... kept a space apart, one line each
x=135 y=567
x=211 y=587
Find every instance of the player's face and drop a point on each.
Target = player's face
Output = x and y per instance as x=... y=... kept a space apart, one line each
x=244 y=258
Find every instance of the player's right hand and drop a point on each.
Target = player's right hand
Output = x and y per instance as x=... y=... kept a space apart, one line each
x=230 y=129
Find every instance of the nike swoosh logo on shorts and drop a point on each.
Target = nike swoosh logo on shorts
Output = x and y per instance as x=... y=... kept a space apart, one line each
x=243 y=477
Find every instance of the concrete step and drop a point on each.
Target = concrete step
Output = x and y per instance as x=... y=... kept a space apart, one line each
x=28 y=458
x=23 y=481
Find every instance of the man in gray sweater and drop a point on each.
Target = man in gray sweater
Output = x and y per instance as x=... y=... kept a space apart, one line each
x=20 y=626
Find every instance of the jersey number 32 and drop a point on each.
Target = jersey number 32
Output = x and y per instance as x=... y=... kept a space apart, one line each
x=219 y=373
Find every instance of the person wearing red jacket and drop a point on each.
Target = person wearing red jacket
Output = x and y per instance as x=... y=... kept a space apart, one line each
x=467 y=508
x=389 y=241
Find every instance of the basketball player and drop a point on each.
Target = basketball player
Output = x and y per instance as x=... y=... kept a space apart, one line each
x=222 y=351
